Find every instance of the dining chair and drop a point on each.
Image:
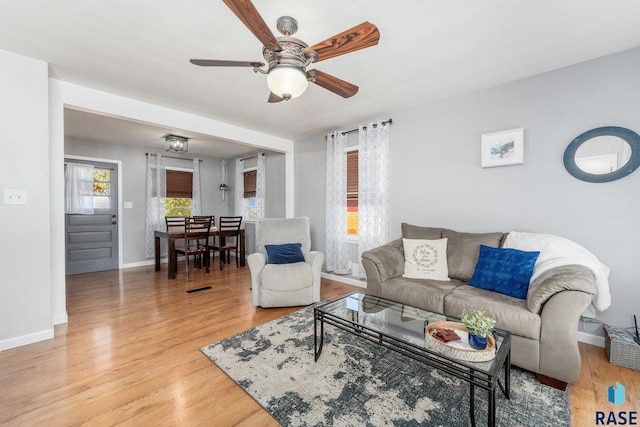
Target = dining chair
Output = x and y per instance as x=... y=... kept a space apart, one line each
x=195 y=231
x=210 y=241
x=228 y=238
x=174 y=222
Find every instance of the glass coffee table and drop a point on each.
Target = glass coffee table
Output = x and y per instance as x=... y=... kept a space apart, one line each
x=401 y=328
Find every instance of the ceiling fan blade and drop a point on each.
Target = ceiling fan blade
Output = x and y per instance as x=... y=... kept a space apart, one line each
x=248 y=14
x=218 y=63
x=356 y=38
x=334 y=84
x=273 y=98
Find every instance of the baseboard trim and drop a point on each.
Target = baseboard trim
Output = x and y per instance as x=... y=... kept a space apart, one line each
x=59 y=319
x=142 y=263
x=349 y=280
x=596 y=340
x=34 y=337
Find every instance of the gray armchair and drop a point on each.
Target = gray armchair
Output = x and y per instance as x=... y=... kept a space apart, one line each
x=283 y=285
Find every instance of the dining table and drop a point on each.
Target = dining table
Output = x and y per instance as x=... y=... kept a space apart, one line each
x=174 y=234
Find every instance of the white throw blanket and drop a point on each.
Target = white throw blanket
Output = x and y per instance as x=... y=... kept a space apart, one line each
x=557 y=251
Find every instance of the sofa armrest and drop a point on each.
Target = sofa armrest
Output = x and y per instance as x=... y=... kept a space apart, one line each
x=559 y=352
x=256 y=262
x=559 y=279
x=383 y=263
x=315 y=259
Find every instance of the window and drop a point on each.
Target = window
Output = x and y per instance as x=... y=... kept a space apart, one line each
x=352 y=191
x=250 y=184
x=179 y=193
x=101 y=188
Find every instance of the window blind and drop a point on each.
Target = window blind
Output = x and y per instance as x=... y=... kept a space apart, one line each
x=352 y=179
x=250 y=184
x=179 y=184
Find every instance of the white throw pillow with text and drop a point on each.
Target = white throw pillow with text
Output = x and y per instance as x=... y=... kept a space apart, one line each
x=425 y=259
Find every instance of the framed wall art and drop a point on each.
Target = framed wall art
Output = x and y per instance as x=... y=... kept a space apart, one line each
x=503 y=148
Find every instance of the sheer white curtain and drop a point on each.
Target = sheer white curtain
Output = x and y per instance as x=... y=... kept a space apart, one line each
x=78 y=191
x=239 y=190
x=260 y=186
x=337 y=248
x=373 y=187
x=156 y=202
x=196 y=198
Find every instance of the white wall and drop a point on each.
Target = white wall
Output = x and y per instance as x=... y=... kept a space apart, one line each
x=436 y=178
x=25 y=286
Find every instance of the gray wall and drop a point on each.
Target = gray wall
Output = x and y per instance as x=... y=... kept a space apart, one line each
x=134 y=189
x=274 y=192
x=436 y=178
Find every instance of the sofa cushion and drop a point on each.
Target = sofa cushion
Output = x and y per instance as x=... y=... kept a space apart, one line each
x=425 y=259
x=504 y=270
x=510 y=313
x=287 y=277
x=286 y=253
x=463 y=250
x=426 y=294
x=417 y=232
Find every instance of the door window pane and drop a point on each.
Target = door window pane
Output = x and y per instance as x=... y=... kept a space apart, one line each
x=101 y=188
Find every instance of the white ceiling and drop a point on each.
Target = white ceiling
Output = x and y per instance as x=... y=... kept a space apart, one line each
x=428 y=50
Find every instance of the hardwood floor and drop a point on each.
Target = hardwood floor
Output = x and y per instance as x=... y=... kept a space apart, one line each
x=129 y=355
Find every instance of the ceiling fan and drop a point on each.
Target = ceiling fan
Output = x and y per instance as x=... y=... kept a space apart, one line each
x=288 y=57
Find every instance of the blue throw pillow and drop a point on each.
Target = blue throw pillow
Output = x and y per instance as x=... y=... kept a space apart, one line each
x=504 y=270
x=287 y=253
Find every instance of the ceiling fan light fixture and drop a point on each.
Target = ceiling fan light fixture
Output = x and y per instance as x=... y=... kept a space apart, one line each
x=287 y=81
x=177 y=144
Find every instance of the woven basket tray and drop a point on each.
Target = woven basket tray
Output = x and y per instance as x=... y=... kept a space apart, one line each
x=459 y=349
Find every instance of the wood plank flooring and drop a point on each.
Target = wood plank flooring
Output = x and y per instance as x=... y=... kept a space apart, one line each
x=129 y=355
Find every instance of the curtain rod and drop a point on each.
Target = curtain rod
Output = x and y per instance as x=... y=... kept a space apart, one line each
x=170 y=157
x=346 y=132
x=111 y=169
x=252 y=157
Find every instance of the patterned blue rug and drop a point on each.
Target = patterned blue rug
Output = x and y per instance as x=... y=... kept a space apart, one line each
x=356 y=383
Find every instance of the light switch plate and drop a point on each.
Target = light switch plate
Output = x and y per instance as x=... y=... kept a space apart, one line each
x=14 y=197
x=128 y=205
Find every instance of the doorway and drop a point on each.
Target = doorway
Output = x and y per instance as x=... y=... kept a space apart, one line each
x=91 y=240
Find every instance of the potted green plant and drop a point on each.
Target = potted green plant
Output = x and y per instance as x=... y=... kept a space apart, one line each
x=479 y=327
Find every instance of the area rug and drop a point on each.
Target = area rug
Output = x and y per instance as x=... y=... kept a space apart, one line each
x=356 y=383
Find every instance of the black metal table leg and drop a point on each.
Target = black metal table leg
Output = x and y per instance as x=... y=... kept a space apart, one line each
x=472 y=403
x=317 y=347
x=507 y=375
x=491 y=409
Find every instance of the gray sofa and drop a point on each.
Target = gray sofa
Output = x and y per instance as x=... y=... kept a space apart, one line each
x=544 y=326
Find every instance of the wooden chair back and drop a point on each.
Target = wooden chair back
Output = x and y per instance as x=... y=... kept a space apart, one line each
x=229 y=226
x=175 y=222
x=228 y=237
x=211 y=218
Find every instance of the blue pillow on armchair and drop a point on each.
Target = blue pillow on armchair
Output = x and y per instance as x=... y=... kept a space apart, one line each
x=504 y=270
x=287 y=253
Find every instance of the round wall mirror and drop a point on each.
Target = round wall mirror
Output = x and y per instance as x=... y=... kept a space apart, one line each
x=603 y=154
